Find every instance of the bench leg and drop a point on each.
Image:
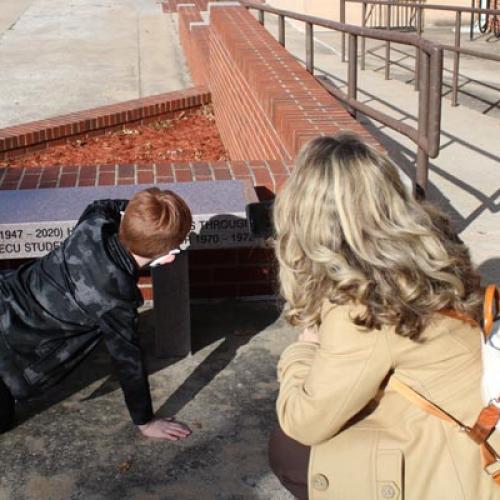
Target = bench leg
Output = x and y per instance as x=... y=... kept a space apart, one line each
x=171 y=308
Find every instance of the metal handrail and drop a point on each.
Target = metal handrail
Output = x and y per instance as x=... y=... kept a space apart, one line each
x=456 y=48
x=406 y=38
x=427 y=134
x=430 y=6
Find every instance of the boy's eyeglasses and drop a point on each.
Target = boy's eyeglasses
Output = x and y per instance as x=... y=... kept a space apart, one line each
x=157 y=261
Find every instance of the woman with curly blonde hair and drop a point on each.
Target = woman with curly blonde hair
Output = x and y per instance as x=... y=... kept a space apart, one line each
x=371 y=276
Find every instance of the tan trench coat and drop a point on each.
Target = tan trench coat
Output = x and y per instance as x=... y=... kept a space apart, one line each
x=398 y=451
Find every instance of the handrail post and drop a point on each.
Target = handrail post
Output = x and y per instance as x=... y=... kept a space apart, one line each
x=310 y=48
x=352 y=75
x=417 y=49
x=282 y=30
x=456 y=59
x=388 y=45
x=261 y=17
x=421 y=8
x=363 y=40
x=471 y=27
x=422 y=166
x=435 y=101
x=342 y=20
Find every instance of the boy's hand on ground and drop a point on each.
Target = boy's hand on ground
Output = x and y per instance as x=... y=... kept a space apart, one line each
x=165 y=428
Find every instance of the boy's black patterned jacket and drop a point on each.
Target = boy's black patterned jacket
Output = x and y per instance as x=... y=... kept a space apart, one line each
x=54 y=311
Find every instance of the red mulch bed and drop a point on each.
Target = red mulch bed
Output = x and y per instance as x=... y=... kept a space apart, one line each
x=183 y=138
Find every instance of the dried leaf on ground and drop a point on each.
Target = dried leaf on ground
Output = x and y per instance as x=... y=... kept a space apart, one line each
x=125 y=466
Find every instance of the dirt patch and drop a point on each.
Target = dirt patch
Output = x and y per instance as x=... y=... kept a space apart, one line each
x=187 y=137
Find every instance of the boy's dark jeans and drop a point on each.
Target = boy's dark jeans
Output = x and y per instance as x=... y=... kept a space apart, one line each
x=7 y=402
x=7 y=408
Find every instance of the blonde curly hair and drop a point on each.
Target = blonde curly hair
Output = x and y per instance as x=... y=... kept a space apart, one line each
x=348 y=230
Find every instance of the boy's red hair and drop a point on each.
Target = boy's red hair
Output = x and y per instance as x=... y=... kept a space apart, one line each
x=155 y=222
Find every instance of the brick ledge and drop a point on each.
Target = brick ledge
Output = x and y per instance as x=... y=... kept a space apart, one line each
x=26 y=138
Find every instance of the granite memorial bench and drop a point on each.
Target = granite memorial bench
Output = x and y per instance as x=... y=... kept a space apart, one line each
x=35 y=221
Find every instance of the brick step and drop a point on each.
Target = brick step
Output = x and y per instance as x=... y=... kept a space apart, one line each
x=170 y=6
x=266 y=175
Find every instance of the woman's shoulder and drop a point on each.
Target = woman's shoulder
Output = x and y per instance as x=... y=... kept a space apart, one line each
x=339 y=328
x=340 y=312
x=342 y=317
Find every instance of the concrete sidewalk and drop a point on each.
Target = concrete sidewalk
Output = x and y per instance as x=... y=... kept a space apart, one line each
x=77 y=442
x=465 y=178
x=60 y=56
x=478 y=81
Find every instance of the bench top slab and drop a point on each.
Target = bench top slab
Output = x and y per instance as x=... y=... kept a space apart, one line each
x=66 y=204
x=35 y=221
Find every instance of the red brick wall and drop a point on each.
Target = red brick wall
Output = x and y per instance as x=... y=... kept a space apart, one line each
x=193 y=34
x=238 y=272
x=266 y=104
x=246 y=130
x=34 y=136
x=264 y=175
x=232 y=272
x=187 y=14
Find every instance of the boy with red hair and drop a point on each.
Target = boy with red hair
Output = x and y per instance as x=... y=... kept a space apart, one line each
x=55 y=310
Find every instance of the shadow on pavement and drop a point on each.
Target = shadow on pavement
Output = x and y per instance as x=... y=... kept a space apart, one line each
x=233 y=325
x=490 y=270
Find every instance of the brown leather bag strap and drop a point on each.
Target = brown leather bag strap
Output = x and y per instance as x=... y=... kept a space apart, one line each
x=491 y=308
x=490 y=461
x=490 y=415
x=422 y=402
x=479 y=433
x=485 y=423
x=458 y=315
